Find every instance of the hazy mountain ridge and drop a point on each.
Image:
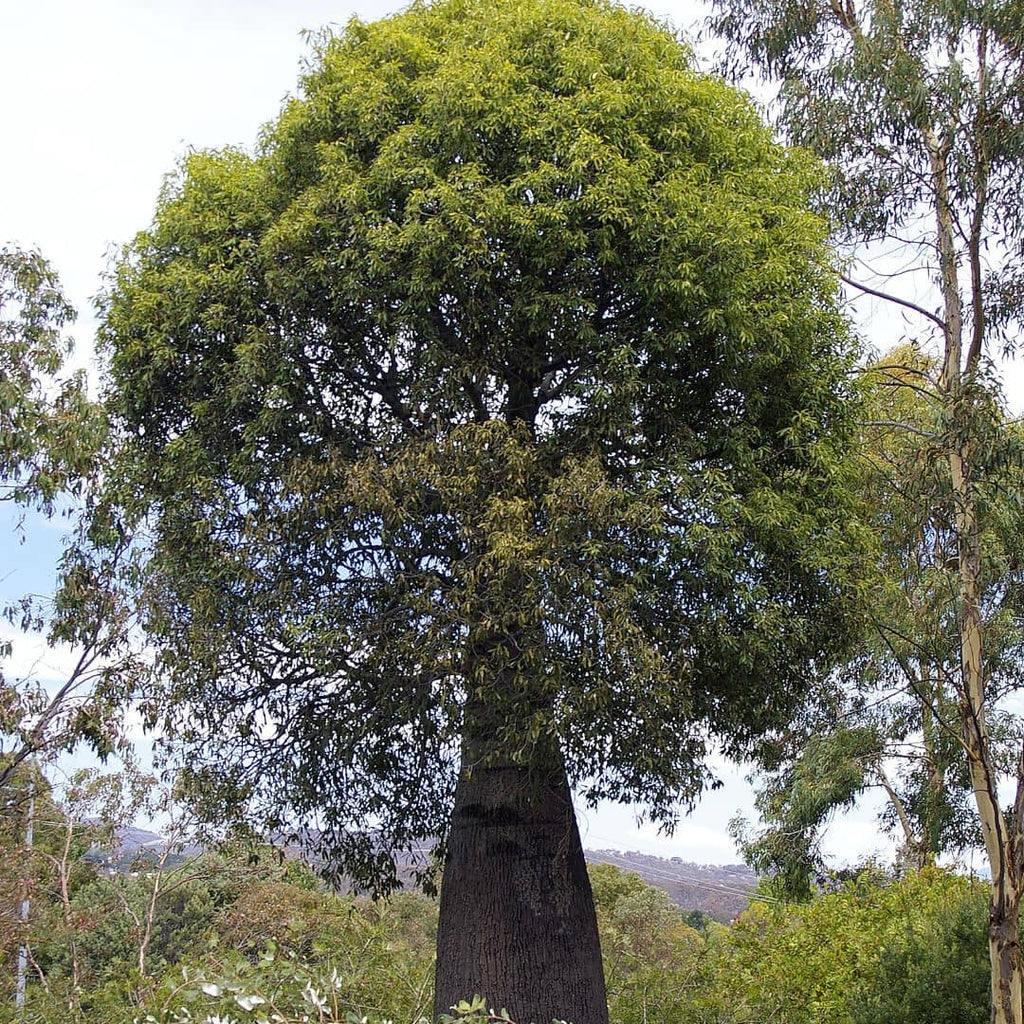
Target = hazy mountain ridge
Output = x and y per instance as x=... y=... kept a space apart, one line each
x=719 y=890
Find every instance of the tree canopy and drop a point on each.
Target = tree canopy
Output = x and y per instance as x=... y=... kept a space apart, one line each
x=506 y=372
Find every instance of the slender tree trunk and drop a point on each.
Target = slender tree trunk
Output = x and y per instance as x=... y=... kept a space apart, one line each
x=64 y=876
x=517 y=922
x=936 y=786
x=914 y=846
x=1002 y=845
x=1002 y=848
x=146 y=933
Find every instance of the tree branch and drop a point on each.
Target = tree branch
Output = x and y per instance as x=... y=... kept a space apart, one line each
x=896 y=299
x=926 y=434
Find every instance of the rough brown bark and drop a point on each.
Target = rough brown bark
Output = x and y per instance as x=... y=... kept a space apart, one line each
x=517 y=922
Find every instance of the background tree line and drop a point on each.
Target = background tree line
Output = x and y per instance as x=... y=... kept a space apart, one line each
x=231 y=934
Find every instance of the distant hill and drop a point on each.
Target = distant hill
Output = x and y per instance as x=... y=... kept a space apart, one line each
x=133 y=840
x=133 y=846
x=720 y=891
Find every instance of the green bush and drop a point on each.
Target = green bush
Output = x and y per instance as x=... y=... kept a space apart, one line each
x=287 y=950
x=937 y=970
x=849 y=957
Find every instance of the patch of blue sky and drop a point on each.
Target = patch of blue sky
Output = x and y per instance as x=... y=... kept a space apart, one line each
x=32 y=548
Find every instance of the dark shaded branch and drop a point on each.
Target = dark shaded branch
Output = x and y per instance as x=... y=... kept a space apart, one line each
x=894 y=298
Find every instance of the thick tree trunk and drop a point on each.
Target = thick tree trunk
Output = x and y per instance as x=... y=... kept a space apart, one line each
x=517 y=921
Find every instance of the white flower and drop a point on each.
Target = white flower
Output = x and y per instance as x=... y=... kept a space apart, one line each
x=314 y=996
x=247 y=1002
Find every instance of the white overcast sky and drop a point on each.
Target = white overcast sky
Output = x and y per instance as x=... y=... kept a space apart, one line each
x=100 y=98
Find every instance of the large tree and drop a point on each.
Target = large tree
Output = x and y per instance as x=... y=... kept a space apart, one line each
x=919 y=107
x=490 y=422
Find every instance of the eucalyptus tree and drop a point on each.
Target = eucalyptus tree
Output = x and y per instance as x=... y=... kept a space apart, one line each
x=888 y=719
x=919 y=109
x=490 y=428
x=50 y=434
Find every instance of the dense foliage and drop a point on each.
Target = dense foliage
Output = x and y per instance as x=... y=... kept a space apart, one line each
x=493 y=416
x=49 y=430
x=502 y=388
x=244 y=939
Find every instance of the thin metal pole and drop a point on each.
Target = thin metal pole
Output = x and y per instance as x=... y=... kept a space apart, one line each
x=19 y=995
